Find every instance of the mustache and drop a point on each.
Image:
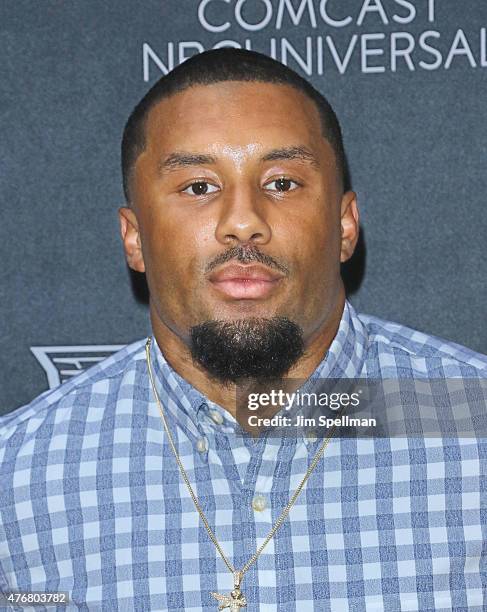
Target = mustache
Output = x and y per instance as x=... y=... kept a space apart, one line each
x=246 y=254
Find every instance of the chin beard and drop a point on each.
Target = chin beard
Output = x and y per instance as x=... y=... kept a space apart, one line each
x=256 y=348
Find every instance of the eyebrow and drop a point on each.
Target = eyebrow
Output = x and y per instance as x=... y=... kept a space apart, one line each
x=300 y=153
x=183 y=159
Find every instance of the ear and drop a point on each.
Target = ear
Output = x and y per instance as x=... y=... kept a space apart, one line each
x=350 y=225
x=129 y=229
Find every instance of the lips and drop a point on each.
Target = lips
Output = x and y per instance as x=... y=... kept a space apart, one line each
x=245 y=282
x=239 y=272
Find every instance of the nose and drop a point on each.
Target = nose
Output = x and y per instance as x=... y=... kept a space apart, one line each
x=242 y=218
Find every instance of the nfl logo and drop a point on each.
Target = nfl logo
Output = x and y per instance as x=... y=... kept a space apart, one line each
x=63 y=362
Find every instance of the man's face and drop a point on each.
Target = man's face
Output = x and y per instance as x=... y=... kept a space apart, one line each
x=238 y=208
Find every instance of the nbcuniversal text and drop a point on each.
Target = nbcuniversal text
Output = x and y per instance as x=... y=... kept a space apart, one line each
x=319 y=37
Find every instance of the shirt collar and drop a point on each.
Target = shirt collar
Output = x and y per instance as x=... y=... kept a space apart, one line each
x=196 y=415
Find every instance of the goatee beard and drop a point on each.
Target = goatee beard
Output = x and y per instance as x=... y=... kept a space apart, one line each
x=259 y=349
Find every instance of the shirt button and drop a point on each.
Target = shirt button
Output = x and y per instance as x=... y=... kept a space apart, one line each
x=202 y=445
x=311 y=435
x=216 y=417
x=259 y=503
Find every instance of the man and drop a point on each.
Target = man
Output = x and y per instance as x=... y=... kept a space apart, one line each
x=136 y=487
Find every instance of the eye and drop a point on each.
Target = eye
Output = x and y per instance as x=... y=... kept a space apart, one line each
x=200 y=188
x=281 y=184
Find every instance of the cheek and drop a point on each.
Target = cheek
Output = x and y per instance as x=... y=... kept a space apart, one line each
x=168 y=255
x=176 y=247
x=316 y=240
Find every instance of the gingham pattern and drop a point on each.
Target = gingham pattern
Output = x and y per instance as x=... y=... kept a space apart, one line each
x=92 y=501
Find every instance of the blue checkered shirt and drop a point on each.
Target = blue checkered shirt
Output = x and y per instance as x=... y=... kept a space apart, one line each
x=92 y=502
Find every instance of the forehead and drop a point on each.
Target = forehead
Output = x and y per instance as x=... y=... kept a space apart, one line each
x=233 y=113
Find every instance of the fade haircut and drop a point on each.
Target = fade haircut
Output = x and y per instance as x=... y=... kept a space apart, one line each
x=216 y=66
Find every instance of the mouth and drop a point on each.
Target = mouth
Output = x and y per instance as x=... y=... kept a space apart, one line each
x=247 y=282
x=245 y=289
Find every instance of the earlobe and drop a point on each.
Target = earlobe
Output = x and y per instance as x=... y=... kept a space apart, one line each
x=129 y=230
x=349 y=225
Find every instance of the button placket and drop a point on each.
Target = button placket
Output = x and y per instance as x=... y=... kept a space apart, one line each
x=310 y=436
x=202 y=444
x=216 y=417
x=259 y=502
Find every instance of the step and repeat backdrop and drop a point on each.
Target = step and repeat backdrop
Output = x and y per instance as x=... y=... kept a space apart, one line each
x=406 y=78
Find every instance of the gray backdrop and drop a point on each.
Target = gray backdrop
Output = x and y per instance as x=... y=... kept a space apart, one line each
x=407 y=80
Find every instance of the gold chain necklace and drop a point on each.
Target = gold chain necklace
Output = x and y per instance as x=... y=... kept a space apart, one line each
x=236 y=599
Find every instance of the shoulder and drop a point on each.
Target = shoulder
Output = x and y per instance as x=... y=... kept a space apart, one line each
x=95 y=387
x=395 y=346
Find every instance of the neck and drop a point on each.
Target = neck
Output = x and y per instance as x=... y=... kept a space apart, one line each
x=178 y=355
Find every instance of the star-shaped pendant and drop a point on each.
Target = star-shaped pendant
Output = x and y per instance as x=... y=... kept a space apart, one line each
x=233 y=602
x=236 y=599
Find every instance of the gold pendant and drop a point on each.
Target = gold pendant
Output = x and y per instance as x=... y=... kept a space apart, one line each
x=236 y=599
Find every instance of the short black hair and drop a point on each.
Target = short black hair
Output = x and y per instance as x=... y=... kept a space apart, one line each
x=216 y=66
